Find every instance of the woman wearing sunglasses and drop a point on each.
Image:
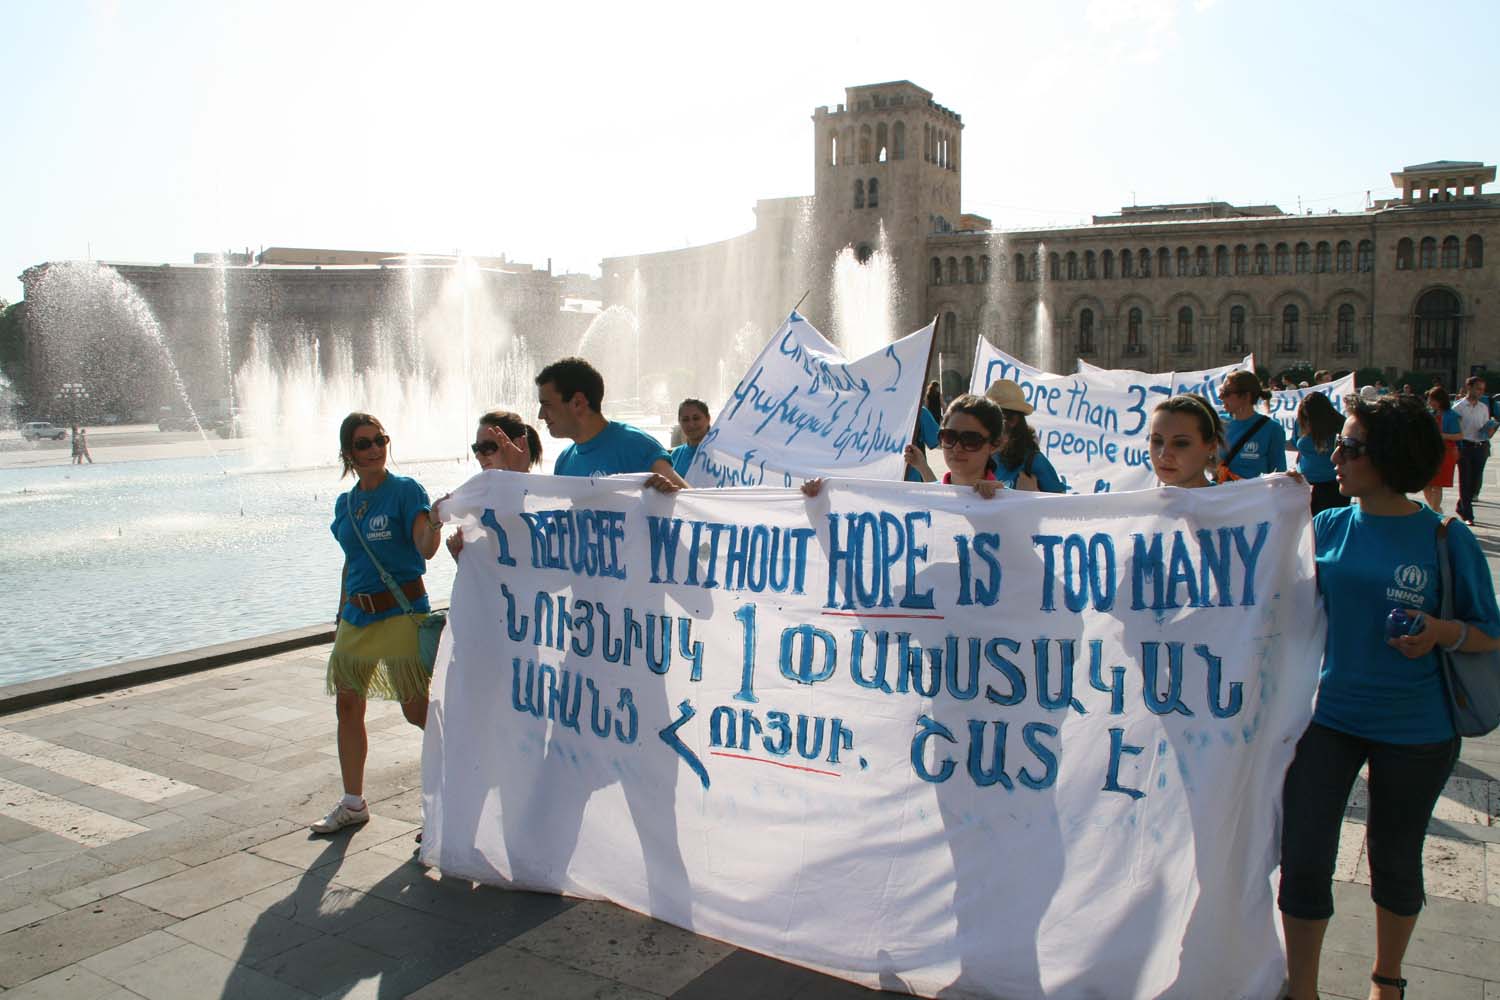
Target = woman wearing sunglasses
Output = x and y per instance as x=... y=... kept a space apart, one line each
x=1019 y=462
x=375 y=651
x=970 y=436
x=1381 y=701
x=1254 y=444
x=502 y=441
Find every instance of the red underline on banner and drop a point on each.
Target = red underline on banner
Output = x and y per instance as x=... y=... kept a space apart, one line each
x=762 y=760
x=866 y=614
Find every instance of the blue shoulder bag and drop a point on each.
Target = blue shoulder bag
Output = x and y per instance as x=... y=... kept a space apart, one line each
x=1472 y=680
x=430 y=628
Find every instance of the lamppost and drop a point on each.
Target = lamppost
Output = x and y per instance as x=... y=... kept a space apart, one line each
x=75 y=393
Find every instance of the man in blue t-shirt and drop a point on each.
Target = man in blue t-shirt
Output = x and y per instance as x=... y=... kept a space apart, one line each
x=570 y=393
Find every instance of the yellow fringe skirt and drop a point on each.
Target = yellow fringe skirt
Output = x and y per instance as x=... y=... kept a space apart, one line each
x=379 y=660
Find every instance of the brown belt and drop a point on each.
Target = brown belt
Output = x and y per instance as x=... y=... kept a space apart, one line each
x=374 y=604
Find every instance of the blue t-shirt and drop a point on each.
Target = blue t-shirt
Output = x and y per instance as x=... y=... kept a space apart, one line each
x=1315 y=464
x=1367 y=565
x=926 y=436
x=1047 y=479
x=386 y=515
x=1264 y=452
x=1451 y=424
x=619 y=448
x=682 y=458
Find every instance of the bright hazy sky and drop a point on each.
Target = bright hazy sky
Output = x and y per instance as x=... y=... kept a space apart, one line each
x=149 y=129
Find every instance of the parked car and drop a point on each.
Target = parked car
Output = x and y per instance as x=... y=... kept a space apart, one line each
x=38 y=429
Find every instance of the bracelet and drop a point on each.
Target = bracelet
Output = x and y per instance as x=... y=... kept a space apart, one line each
x=1463 y=637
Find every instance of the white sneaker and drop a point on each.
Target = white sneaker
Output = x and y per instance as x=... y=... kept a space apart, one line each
x=340 y=817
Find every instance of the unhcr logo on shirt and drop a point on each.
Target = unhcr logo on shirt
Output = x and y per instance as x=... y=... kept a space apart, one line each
x=1251 y=449
x=1411 y=585
x=379 y=529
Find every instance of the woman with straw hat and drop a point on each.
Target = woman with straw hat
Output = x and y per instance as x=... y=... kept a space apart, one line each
x=1019 y=462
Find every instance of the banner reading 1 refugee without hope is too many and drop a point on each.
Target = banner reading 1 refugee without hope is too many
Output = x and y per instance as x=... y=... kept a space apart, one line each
x=1024 y=747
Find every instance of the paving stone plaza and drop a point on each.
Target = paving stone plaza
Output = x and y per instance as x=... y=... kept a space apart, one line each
x=154 y=843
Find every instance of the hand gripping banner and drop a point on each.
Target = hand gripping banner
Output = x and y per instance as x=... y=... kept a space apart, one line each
x=1024 y=747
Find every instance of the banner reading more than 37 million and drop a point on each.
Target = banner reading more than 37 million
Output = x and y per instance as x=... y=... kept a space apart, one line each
x=1025 y=747
x=804 y=410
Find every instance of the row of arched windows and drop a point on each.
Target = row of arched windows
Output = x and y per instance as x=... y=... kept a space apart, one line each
x=953 y=272
x=1242 y=260
x=1288 y=342
x=940 y=146
x=1427 y=253
x=876 y=144
x=867 y=193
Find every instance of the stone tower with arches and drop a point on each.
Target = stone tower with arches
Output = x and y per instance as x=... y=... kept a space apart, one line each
x=887 y=169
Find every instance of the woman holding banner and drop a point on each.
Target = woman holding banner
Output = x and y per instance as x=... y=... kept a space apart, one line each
x=1440 y=405
x=1019 y=462
x=501 y=441
x=1254 y=444
x=1184 y=441
x=1381 y=701
x=971 y=434
x=1318 y=425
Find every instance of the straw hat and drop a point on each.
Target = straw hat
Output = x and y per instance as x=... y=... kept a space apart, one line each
x=1008 y=396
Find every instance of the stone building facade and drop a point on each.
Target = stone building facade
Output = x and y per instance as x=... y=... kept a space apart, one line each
x=1405 y=285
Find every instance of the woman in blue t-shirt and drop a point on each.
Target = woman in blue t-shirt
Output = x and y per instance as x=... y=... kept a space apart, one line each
x=1254 y=444
x=1019 y=462
x=1451 y=429
x=375 y=651
x=1318 y=424
x=1381 y=701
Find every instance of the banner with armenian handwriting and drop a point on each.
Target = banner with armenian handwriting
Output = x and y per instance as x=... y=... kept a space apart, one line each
x=804 y=410
x=1023 y=747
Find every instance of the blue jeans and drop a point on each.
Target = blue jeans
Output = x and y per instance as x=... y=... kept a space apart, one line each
x=1405 y=782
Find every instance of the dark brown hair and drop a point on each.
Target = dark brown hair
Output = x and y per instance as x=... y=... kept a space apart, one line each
x=512 y=426
x=986 y=411
x=352 y=423
x=1197 y=407
x=1019 y=441
x=574 y=375
x=1438 y=396
x=700 y=404
x=1244 y=381
x=1401 y=439
x=1320 y=420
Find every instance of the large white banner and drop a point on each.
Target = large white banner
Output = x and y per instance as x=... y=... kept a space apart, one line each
x=1205 y=382
x=1284 y=404
x=804 y=410
x=1024 y=747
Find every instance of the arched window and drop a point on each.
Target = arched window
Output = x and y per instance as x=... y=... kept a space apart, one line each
x=833 y=147
x=1403 y=254
x=1237 y=328
x=859 y=192
x=1072 y=265
x=1020 y=264
x=881 y=152
x=1427 y=259
x=1262 y=259
x=937 y=271
x=898 y=141
x=950 y=332
x=1086 y=332
x=1184 y=268
x=1283 y=259
x=927 y=142
x=1133 y=332
x=1435 y=339
x=1054 y=267
x=1202 y=268
x=950 y=274
x=1163 y=263
x=874 y=190
x=1303 y=258
x=1107 y=262
x=1034 y=266
x=1290 y=319
x=1323 y=260
x=1090 y=265
x=863 y=253
x=1221 y=260
x=969 y=270
x=1343 y=256
x=1450 y=251
x=1144 y=261
x=864 y=144
x=984 y=269
x=1241 y=259
x=1184 y=329
x=848 y=144
x=1366 y=256
x=1474 y=251
x=1343 y=340
x=1127 y=264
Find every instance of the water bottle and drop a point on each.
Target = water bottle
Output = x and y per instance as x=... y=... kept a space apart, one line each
x=1398 y=624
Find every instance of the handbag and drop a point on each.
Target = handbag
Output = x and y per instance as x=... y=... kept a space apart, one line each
x=1471 y=680
x=430 y=628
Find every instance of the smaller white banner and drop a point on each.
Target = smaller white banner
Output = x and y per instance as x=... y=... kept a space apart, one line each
x=1284 y=404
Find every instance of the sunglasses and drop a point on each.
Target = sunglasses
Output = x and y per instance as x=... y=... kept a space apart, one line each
x=378 y=441
x=963 y=440
x=484 y=448
x=1351 y=447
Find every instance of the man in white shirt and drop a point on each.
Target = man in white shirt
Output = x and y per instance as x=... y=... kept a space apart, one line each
x=1474 y=447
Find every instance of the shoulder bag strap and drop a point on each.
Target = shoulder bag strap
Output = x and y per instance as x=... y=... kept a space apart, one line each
x=1445 y=570
x=386 y=578
x=1260 y=422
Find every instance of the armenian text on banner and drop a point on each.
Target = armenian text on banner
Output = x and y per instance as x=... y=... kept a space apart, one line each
x=804 y=410
x=1025 y=747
